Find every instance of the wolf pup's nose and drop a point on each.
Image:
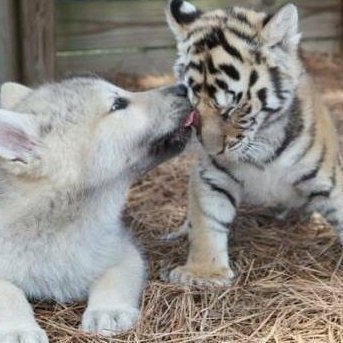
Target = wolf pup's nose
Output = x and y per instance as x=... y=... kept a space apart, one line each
x=181 y=90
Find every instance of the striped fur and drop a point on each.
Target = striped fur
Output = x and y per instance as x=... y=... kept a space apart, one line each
x=268 y=138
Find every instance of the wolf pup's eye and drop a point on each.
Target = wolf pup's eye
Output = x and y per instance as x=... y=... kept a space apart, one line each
x=119 y=104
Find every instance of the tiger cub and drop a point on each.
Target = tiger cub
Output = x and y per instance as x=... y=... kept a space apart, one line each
x=267 y=136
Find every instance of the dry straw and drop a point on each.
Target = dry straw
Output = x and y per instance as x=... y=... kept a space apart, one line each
x=289 y=286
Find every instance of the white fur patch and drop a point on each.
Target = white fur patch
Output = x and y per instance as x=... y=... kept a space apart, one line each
x=187 y=7
x=222 y=98
x=12 y=93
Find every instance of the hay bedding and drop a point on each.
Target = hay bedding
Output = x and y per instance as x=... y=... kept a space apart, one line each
x=289 y=286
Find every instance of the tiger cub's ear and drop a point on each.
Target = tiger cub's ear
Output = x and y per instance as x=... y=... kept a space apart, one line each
x=282 y=27
x=180 y=14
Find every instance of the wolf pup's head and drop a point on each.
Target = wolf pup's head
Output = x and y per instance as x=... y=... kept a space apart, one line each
x=86 y=130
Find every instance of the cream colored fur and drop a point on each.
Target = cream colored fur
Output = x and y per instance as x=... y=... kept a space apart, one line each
x=67 y=158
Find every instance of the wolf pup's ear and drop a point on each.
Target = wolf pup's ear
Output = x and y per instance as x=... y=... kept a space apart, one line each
x=180 y=14
x=11 y=94
x=19 y=142
x=282 y=27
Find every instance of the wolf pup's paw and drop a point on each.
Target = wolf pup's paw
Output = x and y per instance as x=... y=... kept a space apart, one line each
x=202 y=276
x=18 y=335
x=109 y=322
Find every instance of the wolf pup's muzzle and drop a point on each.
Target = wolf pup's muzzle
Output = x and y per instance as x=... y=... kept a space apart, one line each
x=173 y=142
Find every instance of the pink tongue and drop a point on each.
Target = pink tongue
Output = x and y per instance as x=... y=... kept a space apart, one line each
x=192 y=119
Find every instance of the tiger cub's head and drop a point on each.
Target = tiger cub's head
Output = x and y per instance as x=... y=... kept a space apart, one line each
x=241 y=68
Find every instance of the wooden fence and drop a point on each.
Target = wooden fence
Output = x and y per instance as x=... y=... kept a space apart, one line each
x=132 y=35
x=9 y=68
x=42 y=39
x=27 y=40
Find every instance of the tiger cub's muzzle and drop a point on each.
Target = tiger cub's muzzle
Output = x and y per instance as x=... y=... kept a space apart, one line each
x=218 y=134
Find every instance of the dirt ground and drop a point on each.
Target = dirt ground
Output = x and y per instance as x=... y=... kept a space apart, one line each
x=289 y=285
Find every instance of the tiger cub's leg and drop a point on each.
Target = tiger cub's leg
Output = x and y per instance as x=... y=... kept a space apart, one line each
x=214 y=195
x=325 y=195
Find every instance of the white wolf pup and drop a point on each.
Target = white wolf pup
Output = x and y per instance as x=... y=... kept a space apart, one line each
x=68 y=153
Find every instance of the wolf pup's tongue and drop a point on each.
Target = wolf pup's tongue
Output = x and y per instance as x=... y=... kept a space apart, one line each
x=193 y=119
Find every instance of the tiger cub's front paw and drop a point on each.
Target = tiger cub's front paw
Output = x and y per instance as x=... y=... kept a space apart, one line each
x=202 y=276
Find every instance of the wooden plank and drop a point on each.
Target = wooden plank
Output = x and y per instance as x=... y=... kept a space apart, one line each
x=9 y=66
x=138 y=35
x=122 y=11
x=94 y=25
x=37 y=39
x=323 y=46
x=135 y=62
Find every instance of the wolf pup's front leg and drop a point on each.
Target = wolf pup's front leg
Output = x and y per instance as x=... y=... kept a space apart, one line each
x=113 y=304
x=17 y=323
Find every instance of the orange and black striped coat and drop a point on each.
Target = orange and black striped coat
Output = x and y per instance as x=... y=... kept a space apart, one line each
x=267 y=137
